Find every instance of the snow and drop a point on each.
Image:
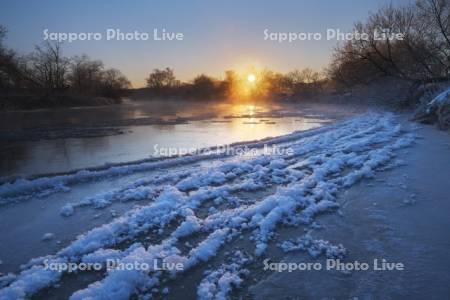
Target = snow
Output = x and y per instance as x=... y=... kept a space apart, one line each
x=23 y=188
x=215 y=177
x=122 y=283
x=48 y=236
x=439 y=99
x=277 y=164
x=159 y=213
x=207 y=248
x=206 y=203
x=314 y=247
x=190 y=225
x=6 y=279
x=67 y=210
x=30 y=281
x=217 y=284
x=102 y=255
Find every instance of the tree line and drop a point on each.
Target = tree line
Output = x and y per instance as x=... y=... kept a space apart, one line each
x=46 y=71
x=163 y=82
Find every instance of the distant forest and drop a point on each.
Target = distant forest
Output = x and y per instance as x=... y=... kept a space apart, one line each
x=46 y=78
x=268 y=84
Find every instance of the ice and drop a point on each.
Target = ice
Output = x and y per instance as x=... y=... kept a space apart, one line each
x=218 y=283
x=439 y=99
x=277 y=164
x=48 y=236
x=157 y=214
x=207 y=203
x=190 y=225
x=23 y=188
x=102 y=255
x=201 y=180
x=314 y=247
x=30 y=281
x=122 y=283
x=67 y=210
x=7 y=279
x=207 y=248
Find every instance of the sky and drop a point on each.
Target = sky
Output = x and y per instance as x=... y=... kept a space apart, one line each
x=217 y=35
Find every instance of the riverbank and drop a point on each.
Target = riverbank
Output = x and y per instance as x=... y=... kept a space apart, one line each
x=30 y=102
x=400 y=215
x=220 y=214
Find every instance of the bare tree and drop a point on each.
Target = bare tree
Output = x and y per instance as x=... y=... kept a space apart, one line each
x=85 y=75
x=10 y=73
x=422 y=55
x=114 y=80
x=160 y=79
x=48 y=67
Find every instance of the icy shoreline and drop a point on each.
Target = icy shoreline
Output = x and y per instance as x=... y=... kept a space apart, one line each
x=209 y=203
x=401 y=215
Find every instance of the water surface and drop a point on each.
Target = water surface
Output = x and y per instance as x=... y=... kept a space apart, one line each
x=201 y=125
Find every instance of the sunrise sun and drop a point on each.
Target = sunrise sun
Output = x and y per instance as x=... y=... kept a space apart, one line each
x=251 y=77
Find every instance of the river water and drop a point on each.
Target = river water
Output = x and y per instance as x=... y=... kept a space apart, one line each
x=202 y=125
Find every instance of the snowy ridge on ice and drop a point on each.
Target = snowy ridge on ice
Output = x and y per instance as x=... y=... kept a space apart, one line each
x=209 y=208
x=218 y=283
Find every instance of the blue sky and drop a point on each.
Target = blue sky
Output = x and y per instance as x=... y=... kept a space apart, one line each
x=218 y=35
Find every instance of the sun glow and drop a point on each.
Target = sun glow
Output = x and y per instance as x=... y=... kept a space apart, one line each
x=247 y=82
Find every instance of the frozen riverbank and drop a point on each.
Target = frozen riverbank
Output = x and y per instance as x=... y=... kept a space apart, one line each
x=196 y=211
x=400 y=215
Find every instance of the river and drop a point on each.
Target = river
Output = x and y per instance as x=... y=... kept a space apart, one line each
x=194 y=125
